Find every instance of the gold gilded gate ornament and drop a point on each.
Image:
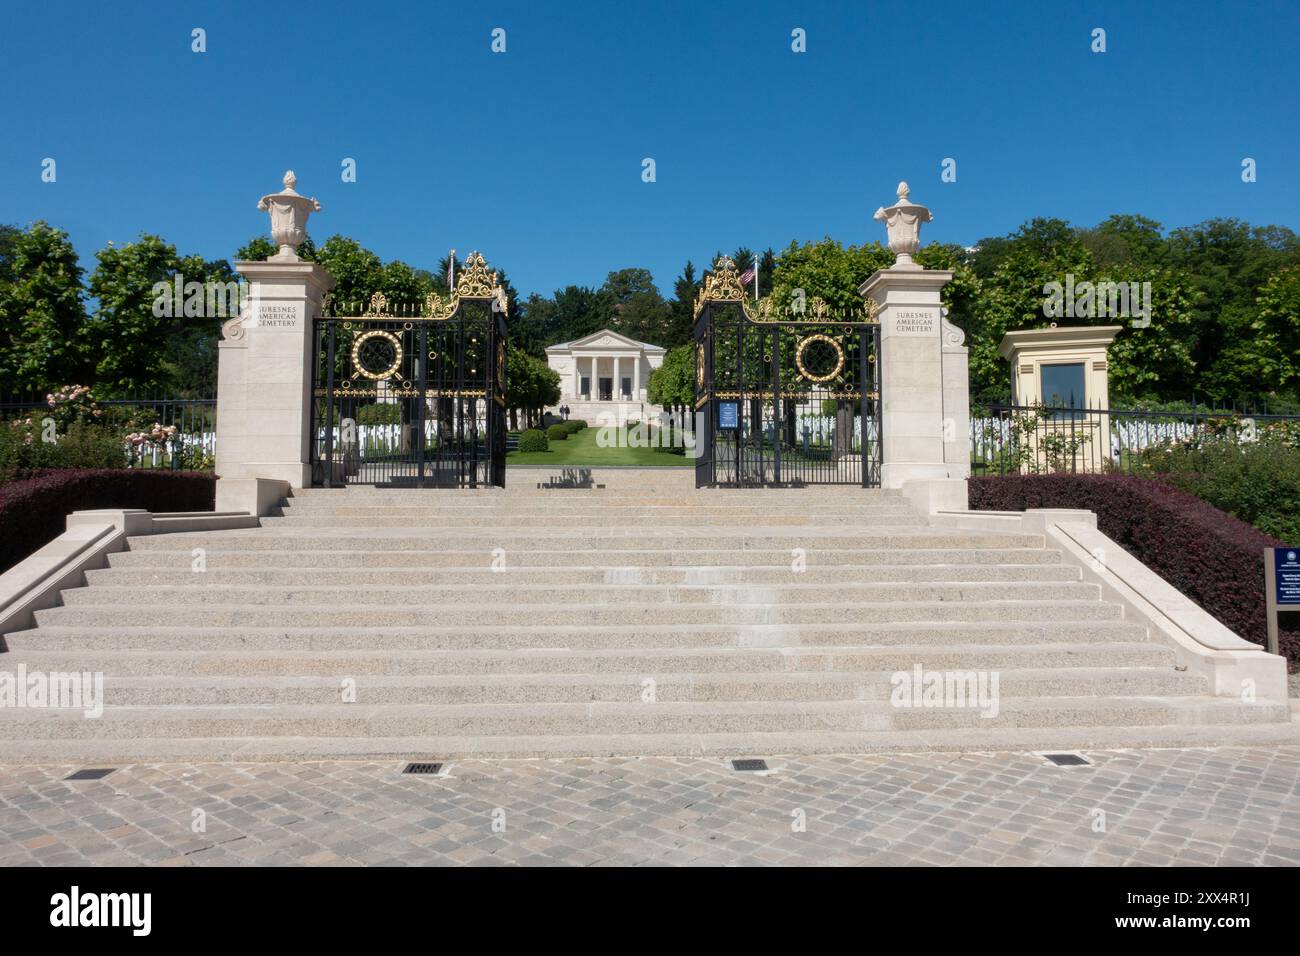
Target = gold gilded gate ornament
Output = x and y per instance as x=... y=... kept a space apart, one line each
x=799 y=357
x=723 y=285
x=474 y=281
x=365 y=337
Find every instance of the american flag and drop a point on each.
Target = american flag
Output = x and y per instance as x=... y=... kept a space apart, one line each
x=747 y=276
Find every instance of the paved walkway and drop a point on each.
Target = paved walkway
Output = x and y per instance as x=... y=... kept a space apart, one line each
x=1182 y=807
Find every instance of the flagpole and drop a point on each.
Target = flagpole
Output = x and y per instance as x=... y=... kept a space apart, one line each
x=756 y=277
x=451 y=271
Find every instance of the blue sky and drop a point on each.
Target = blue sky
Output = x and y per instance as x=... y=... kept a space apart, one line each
x=534 y=156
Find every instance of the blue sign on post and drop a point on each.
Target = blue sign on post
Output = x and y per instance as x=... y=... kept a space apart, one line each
x=728 y=415
x=1286 y=575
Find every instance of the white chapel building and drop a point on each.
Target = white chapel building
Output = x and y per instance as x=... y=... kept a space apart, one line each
x=603 y=377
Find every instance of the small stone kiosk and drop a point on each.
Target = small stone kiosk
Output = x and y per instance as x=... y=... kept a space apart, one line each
x=924 y=376
x=264 y=370
x=1064 y=368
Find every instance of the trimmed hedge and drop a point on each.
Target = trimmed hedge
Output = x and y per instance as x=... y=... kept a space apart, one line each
x=577 y=424
x=33 y=510
x=557 y=433
x=1213 y=558
x=533 y=439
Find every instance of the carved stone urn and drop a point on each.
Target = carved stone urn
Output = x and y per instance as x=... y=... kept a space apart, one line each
x=903 y=224
x=289 y=212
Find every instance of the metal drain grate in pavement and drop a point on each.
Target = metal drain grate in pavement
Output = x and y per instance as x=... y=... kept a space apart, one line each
x=749 y=765
x=1068 y=760
x=423 y=768
x=93 y=774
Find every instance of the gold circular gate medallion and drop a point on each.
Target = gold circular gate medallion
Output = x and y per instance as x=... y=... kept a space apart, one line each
x=820 y=358
x=370 y=350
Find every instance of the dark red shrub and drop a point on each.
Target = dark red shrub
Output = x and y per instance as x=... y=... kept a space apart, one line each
x=1210 y=556
x=33 y=509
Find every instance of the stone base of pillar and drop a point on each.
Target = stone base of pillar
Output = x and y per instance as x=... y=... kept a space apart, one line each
x=937 y=494
x=257 y=496
x=896 y=474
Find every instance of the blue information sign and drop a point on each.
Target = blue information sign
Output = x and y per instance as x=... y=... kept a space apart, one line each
x=728 y=415
x=1286 y=574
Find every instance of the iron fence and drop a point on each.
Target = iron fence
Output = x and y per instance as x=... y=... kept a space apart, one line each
x=192 y=445
x=1039 y=439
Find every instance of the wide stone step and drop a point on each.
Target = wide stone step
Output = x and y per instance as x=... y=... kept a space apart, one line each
x=70 y=635
x=89 y=654
x=717 y=746
x=631 y=688
x=583 y=540
x=645 y=487
x=194 y=615
x=597 y=717
x=330 y=556
x=498 y=590
x=571 y=575
x=494 y=520
x=578 y=509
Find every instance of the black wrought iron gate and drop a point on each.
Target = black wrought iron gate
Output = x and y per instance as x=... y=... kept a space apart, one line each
x=783 y=402
x=413 y=395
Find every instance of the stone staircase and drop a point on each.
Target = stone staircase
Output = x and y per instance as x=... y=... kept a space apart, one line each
x=646 y=617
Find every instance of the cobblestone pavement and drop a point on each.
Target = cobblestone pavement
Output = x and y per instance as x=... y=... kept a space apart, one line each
x=1182 y=807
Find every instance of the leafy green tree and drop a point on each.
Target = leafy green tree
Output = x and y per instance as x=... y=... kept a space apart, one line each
x=828 y=271
x=260 y=248
x=42 y=312
x=532 y=326
x=579 y=311
x=672 y=384
x=1262 y=361
x=1041 y=251
x=403 y=285
x=531 y=385
x=358 y=273
x=1152 y=362
x=136 y=344
x=1126 y=241
x=680 y=324
x=1228 y=262
x=624 y=284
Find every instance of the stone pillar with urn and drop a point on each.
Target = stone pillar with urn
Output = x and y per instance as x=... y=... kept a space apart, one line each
x=923 y=381
x=264 y=373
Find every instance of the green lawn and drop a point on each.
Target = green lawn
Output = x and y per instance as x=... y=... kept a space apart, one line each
x=580 y=448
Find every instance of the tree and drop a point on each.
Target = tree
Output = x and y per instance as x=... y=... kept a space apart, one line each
x=1145 y=362
x=639 y=310
x=679 y=327
x=828 y=271
x=1126 y=241
x=358 y=273
x=260 y=248
x=1228 y=262
x=672 y=384
x=1262 y=363
x=404 y=286
x=42 y=312
x=135 y=344
x=532 y=326
x=579 y=311
x=623 y=285
x=531 y=385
